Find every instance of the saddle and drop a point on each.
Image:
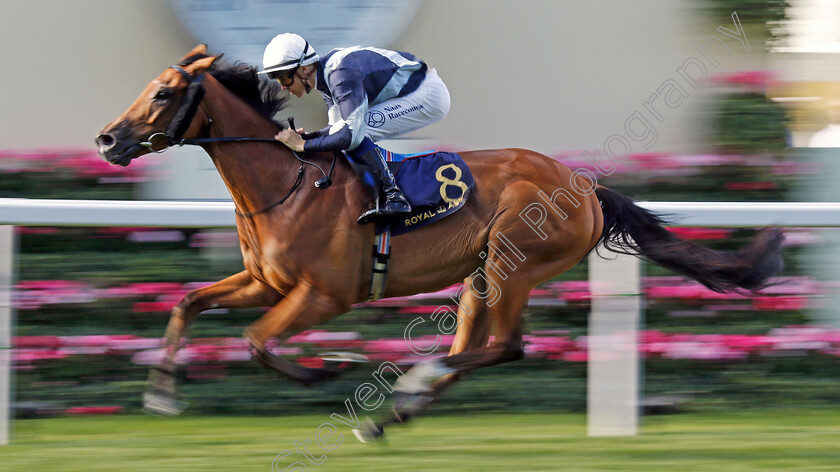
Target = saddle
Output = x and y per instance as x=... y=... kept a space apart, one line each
x=436 y=184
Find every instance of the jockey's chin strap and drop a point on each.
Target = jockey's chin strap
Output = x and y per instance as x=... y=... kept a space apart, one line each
x=160 y=142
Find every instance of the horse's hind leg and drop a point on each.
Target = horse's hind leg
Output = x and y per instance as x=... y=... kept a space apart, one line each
x=414 y=390
x=472 y=333
x=505 y=295
x=509 y=276
x=237 y=291
x=304 y=306
x=504 y=305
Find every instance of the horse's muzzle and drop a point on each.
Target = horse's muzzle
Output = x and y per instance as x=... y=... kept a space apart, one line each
x=110 y=150
x=106 y=142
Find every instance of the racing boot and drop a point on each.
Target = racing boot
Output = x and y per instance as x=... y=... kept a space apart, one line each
x=395 y=202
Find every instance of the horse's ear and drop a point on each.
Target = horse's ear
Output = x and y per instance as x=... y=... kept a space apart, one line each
x=200 y=49
x=201 y=65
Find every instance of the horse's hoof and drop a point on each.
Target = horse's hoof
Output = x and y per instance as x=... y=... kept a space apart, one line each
x=367 y=432
x=158 y=403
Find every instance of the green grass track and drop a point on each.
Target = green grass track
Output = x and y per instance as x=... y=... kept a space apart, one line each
x=760 y=441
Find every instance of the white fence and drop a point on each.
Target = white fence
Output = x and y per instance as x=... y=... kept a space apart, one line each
x=185 y=214
x=613 y=358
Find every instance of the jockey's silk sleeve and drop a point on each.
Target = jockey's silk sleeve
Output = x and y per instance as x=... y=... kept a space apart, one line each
x=316 y=134
x=348 y=94
x=333 y=113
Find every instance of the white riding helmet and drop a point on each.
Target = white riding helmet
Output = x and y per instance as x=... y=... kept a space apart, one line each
x=287 y=51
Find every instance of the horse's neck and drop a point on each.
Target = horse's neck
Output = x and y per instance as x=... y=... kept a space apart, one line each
x=256 y=174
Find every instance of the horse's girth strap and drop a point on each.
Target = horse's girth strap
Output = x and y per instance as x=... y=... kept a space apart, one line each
x=379 y=273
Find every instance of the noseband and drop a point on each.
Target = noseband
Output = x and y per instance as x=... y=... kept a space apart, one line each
x=160 y=142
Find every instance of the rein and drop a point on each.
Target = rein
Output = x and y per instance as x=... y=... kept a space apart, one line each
x=160 y=142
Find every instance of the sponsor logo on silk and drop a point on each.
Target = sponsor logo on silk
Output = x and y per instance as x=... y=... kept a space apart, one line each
x=375 y=119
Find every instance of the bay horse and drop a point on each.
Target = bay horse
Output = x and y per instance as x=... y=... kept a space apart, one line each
x=307 y=258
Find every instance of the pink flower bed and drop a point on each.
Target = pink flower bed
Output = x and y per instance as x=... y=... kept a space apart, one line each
x=791 y=340
x=80 y=162
x=793 y=293
x=753 y=79
x=31 y=295
x=657 y=165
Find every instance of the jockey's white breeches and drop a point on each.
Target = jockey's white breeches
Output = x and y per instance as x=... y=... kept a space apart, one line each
x=401 y=115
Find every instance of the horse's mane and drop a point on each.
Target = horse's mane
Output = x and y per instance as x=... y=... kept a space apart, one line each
x=264 y=96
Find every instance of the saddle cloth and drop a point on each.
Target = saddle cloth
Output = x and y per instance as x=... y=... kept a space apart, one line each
x=436 y=184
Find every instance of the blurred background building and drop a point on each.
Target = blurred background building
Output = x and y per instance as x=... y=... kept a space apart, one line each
x=543 y=74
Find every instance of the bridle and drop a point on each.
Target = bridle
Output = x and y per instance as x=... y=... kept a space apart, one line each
x=159 y=142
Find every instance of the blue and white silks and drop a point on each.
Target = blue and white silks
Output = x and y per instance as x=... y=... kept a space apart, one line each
x=355 y=78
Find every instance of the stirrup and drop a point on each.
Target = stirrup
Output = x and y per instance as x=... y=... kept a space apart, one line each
x=384 y=213
x=371 y=215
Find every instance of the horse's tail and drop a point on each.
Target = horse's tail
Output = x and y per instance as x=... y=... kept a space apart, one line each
x=630 y=229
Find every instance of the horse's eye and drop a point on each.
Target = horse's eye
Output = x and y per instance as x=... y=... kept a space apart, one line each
x=163 y=94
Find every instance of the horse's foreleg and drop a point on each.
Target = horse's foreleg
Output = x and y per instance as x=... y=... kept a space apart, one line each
x=303 y=307
x=237 y=291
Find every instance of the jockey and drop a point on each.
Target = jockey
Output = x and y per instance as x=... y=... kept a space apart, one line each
x=371 y=94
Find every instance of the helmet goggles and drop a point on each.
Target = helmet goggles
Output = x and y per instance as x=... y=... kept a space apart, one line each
x=285 y=77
